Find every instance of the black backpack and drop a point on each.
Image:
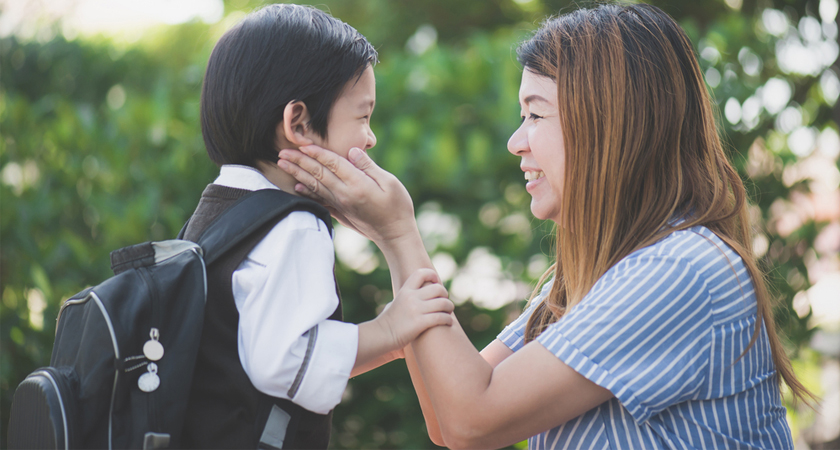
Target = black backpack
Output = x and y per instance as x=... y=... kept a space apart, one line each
x=125 y=350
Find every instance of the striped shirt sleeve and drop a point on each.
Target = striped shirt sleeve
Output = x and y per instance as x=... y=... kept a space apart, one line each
x=514 y=334
x=642 y=332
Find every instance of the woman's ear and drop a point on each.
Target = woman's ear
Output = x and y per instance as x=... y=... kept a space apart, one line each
x=295 y=124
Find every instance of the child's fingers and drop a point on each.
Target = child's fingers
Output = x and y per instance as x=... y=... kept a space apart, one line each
x=421 y=277
x=437 y=305
x=436 y=319
x=432 y=290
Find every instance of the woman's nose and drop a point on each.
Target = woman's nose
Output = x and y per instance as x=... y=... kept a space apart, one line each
x=518 y=142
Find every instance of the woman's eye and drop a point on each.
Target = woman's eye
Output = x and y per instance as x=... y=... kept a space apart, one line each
x=531 y=116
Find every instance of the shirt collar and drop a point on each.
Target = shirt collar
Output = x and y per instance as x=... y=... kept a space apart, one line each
x=243 y=177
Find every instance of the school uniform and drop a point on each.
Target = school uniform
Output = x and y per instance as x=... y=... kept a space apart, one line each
x=663 y=331
x=275 y=356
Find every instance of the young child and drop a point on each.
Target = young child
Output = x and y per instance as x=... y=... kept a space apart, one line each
x=275 y=356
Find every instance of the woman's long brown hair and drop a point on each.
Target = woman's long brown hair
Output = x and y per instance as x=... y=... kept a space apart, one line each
x=642 y=148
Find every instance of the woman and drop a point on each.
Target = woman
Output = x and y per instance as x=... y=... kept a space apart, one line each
x=655 y=330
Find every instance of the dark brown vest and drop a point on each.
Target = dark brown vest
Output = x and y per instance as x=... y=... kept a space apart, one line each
x=225 y=409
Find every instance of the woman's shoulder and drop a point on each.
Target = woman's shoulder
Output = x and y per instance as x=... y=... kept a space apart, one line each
x=696 y=251
x=696 y=246
x=718 y=266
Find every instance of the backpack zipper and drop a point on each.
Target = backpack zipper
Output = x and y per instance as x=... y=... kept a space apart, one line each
x=72 y=301
x=146 y=275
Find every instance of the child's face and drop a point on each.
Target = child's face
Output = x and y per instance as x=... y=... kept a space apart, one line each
x=349 y=120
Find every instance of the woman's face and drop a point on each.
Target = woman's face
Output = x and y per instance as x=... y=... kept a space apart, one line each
x=539 y=142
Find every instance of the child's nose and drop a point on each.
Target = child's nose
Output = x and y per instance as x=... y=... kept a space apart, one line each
x=371 y=142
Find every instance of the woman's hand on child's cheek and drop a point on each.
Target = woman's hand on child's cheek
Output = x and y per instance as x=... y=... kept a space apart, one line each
x=369 y=198
x=286 y=163
x=309 y=184
x=337 y=215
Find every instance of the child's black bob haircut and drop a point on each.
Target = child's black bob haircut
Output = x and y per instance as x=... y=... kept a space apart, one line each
x=278 y=54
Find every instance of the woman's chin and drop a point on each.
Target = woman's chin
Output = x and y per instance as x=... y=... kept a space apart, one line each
x=537 y=212
x=542 y=213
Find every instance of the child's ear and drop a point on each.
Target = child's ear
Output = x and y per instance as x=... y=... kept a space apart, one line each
x=295 y=124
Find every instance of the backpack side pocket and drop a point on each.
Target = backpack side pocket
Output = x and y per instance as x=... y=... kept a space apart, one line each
x=44 y=410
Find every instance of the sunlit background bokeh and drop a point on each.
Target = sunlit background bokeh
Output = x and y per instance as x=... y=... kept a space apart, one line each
x=100 y=148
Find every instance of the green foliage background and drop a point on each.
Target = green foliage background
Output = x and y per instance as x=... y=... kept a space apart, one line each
x=101 y=148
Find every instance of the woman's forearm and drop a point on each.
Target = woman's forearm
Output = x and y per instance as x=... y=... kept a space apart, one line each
x=432 y=357
x=432 y=425
x=404 y=256
x=454 y=375
x=466 y=403
x=449 y=375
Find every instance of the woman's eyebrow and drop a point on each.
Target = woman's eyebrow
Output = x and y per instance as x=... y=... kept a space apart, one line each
x=534 y=98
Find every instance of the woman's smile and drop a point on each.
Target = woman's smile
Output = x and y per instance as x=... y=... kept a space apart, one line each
x=534 y=178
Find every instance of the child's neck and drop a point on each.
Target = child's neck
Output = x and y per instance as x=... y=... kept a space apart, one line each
x=277 y=177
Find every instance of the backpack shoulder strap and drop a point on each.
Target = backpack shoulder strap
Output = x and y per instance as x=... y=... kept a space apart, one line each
x=249 y=214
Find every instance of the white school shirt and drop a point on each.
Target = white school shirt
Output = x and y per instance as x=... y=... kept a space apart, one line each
x=663 y=330
x=285 y=291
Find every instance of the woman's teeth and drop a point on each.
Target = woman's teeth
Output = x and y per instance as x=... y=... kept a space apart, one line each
x=532 y=175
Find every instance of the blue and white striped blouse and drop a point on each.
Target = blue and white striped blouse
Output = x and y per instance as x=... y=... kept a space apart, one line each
x=663 y=330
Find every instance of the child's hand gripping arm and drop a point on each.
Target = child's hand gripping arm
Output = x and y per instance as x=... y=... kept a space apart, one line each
x=420 y=304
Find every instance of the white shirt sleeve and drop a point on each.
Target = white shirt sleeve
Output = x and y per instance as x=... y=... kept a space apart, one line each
x=285 y=292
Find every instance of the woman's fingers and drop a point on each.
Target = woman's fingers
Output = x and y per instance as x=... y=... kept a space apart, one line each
x=341 y=168
x=370 y=198
x=363 y=162
x=304 y=191
x=328 y=160
x=292 y=162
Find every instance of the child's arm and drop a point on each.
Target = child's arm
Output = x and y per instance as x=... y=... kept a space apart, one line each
x=420 y=304
x=373 y=364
